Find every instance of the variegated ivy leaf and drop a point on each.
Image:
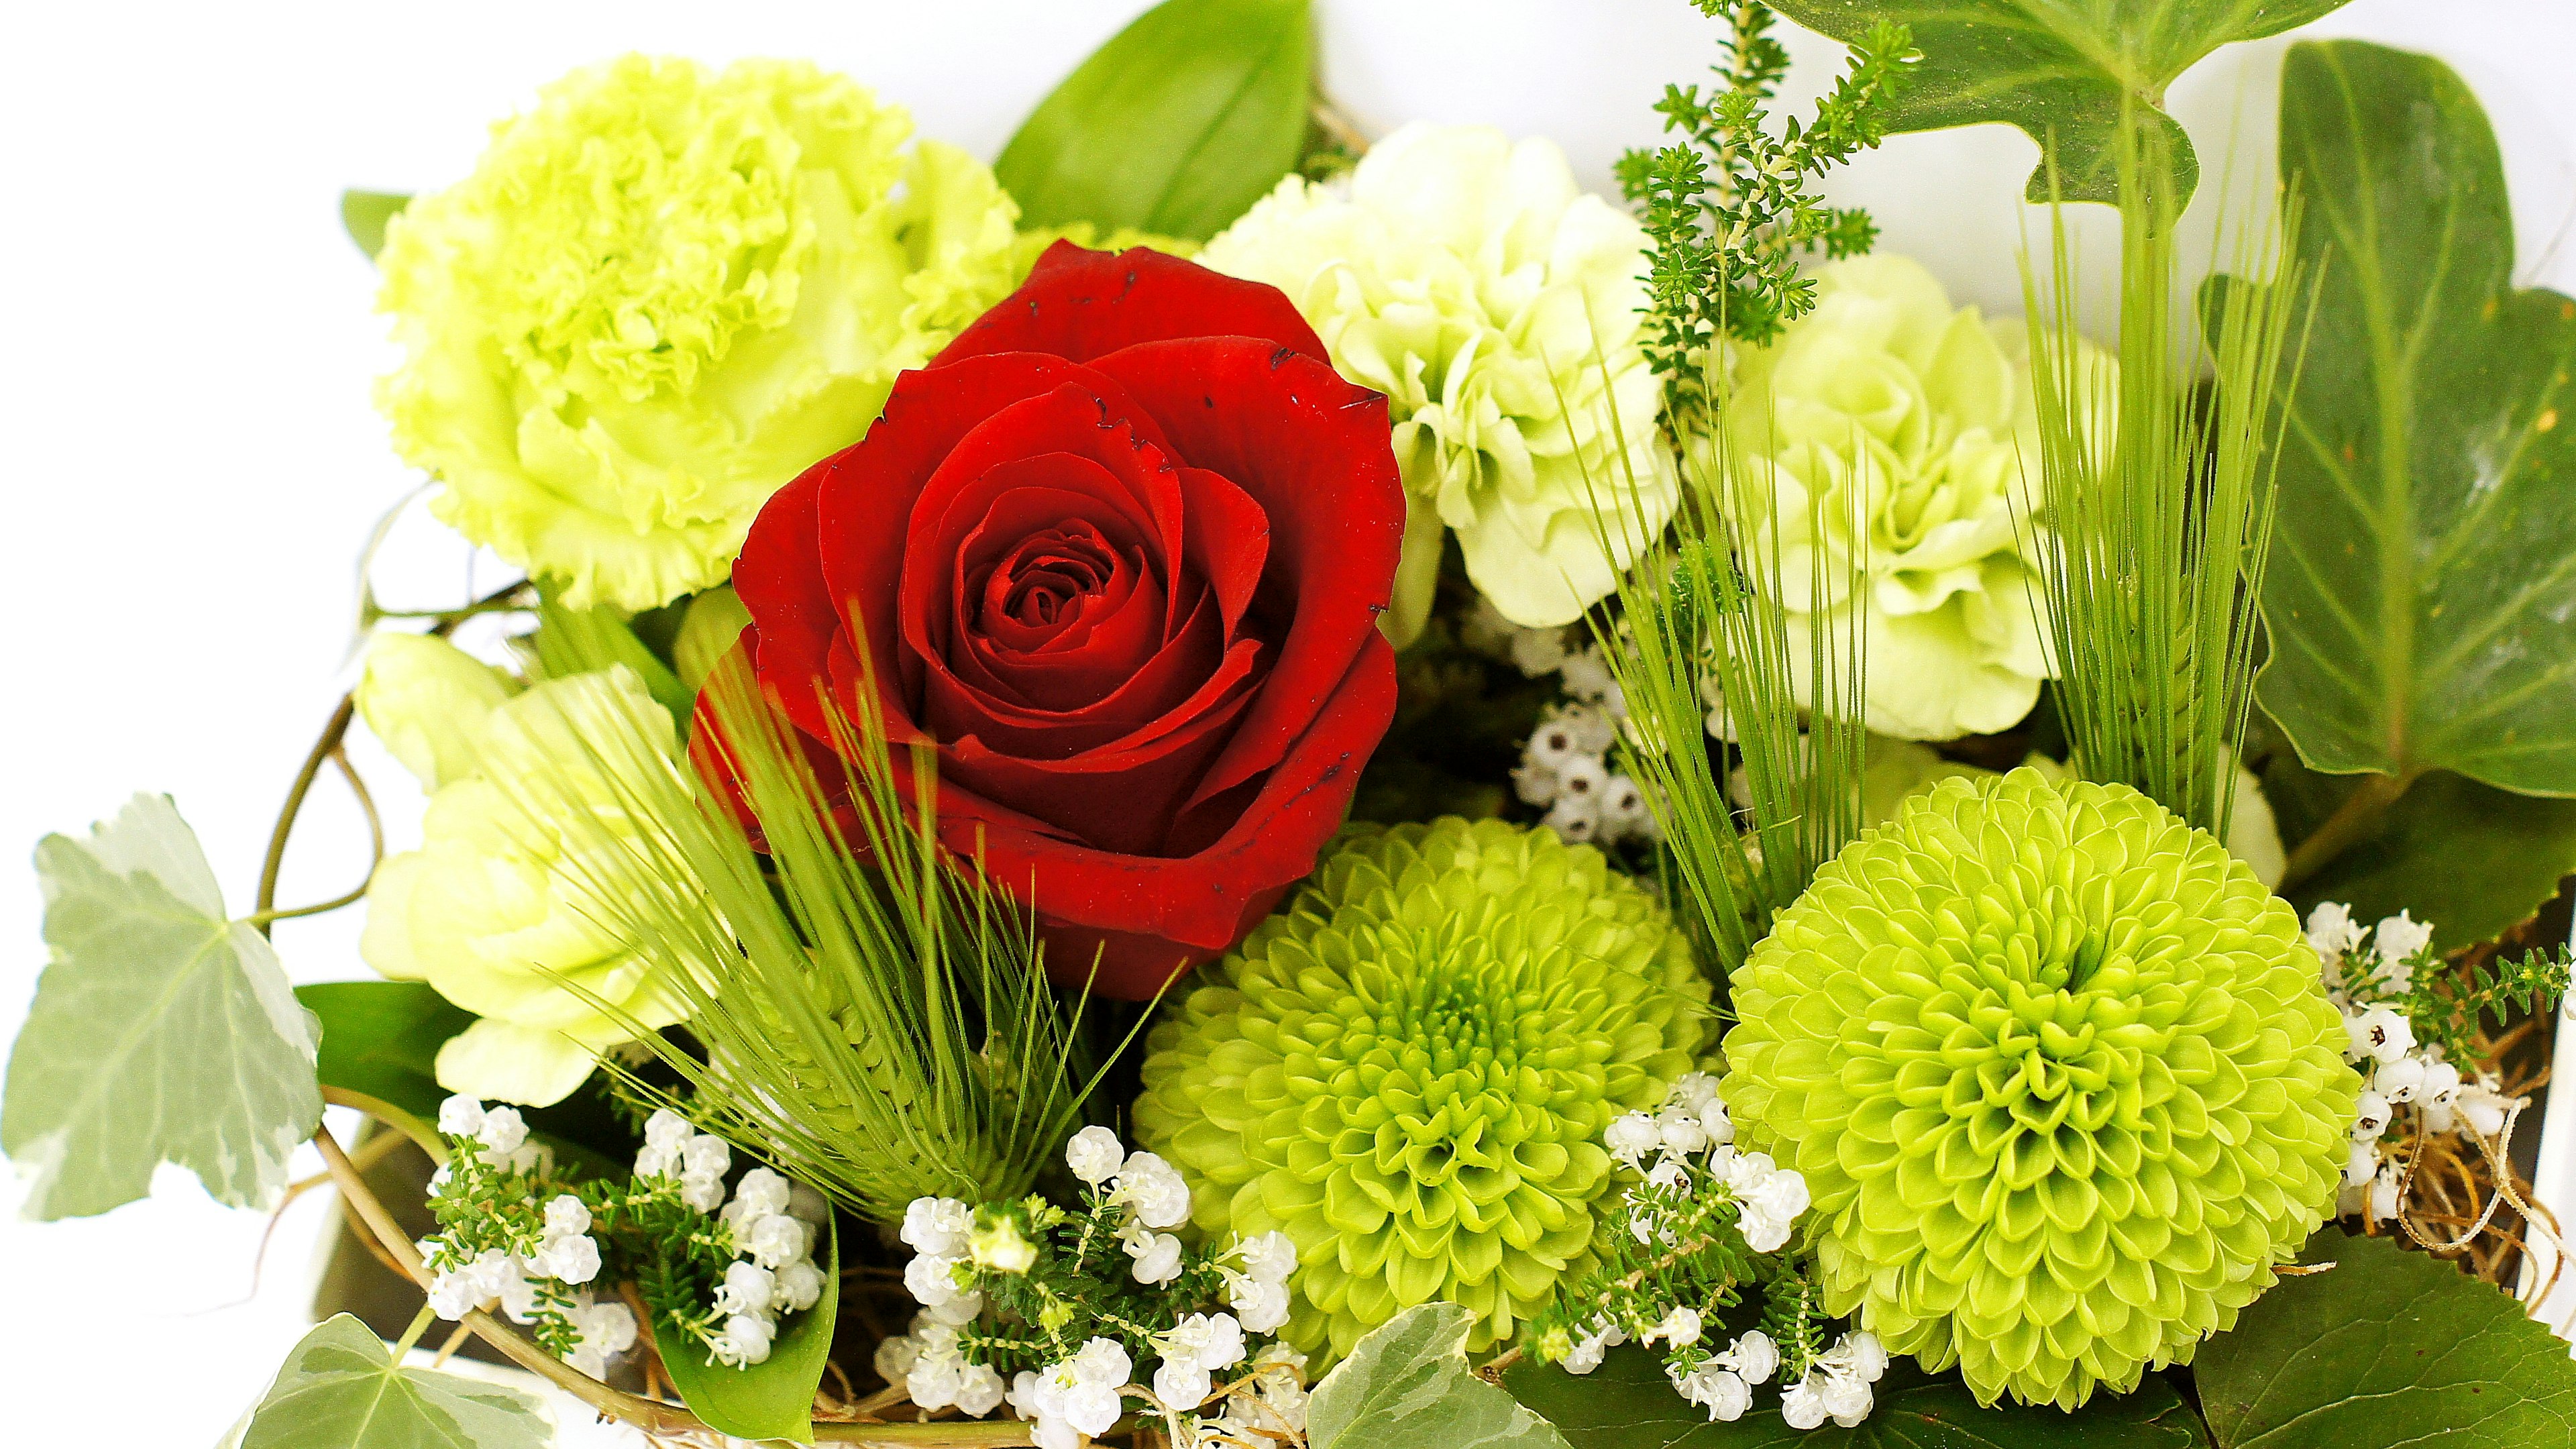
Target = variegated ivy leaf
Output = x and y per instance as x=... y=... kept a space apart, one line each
x=1408 y=1383
x=341 y=1389
x=2069 y=73
x=162 y=1030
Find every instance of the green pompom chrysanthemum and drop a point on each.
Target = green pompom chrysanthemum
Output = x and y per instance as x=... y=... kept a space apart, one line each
x=1409 y=1068
x=2060 y=1075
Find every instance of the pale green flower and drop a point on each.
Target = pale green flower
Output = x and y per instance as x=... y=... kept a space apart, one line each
x=711 y=627
x=499 y=908
x=1912 y=425
x=426 y=700
x=1496 y=307
x=663 y=293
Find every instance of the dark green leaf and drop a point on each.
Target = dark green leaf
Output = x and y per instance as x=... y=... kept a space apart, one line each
x=161 y=1031
x=364 y=215
x=380 y=1039
x=1177 y=125
x=1627 y=1403
x=2424 y=570
x=340 y=1389
x=1407 y=1383
x=2390 y=1348
x=772 y=1399
x=2472 y=859
x=2061 y=68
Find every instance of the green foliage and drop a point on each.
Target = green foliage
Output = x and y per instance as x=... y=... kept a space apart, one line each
x=2418 y=605
x=1730 y=207
x=1177 y=125
x=2390 y=1347
x=2445 y=1007
x=1627 y=1403
x=584 y=641
x=2470 y=858
x=2074 y=77
x=772 y=1399
x=365 y=214
x=870 y=1011
x=1408 y=1383
x=161 y=1030
x=340 y=1389
x=380 y=1039
x=2164 y=526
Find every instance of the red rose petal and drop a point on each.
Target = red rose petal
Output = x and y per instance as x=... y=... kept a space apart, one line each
x=1082 y=304
x=1311 y=450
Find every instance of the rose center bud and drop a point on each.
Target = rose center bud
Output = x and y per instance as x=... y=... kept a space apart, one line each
x=1045 y=582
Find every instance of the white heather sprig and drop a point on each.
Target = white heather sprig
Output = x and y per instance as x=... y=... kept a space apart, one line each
x=1565 y=765
x=511 y=1237
x=1036 y=1305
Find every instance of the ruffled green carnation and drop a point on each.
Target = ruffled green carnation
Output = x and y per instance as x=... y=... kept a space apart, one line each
x=661 y=294
x=1913 y=425
x=1408 y=1070
x=500 y=908
x=1496 y=306
x=2061 y=1077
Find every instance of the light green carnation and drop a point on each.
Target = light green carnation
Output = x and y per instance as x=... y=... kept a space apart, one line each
x=1914 y=427
x=426 y=700
x=2060 y=1074
x=499 y=908
x=1408 y=1070
x=1496 y=307
x=660 y=295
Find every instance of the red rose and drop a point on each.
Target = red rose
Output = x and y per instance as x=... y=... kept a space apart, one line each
x=1119 y=551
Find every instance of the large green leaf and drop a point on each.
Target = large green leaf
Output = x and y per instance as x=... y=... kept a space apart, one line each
x=1627 y=1403
x=2390 y=1348
x=2472 y=859
x=772 y=1399
x=341 y=1389
x=1177 y=125
x=2057 y=68
x=380 y=1039
x=1407 y=1383
x=161 y=1031
x=2424 y=571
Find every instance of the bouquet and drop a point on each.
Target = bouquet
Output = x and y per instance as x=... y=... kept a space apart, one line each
x=1236 y=784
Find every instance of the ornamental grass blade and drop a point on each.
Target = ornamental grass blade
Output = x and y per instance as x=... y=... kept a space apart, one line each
x=161 y=1030
x=1408 y=1383
x=341 y=1389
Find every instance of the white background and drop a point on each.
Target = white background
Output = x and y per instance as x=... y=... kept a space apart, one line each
x=189 y=461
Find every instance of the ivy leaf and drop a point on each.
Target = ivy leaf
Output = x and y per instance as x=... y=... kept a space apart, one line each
x=1408 y=1383
x=161 y=1032
x=2390 y=1347
x=774 y=1398
x=2061 y=69
x=1177 y=125
x=2421 y=577
x=365 y=214
x=1627 y=1403
x=341 y=1389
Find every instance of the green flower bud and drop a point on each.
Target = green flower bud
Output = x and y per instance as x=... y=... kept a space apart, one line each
x=997 y=1244
x=426 y=700
x=709 y=629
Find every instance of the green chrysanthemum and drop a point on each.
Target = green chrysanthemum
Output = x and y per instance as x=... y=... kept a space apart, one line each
x=2059 y=1073
x=1409 y=1068
x=664 y=292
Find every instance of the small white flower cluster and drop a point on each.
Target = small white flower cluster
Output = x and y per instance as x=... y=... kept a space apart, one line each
x=771 y=1223
x=1565 y=766
x=1134 y=1199
x=504 y=1250
x=1837 y=1384
x=2369 y=972
x=1693 y=1121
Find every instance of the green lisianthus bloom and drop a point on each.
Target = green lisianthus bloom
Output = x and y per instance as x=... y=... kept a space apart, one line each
x=663 y=293
x=1497 y=307
x=1913 y=425
x=499 y=908
x=2061 y=1076
x=1408 y=1070
x=426 y=700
